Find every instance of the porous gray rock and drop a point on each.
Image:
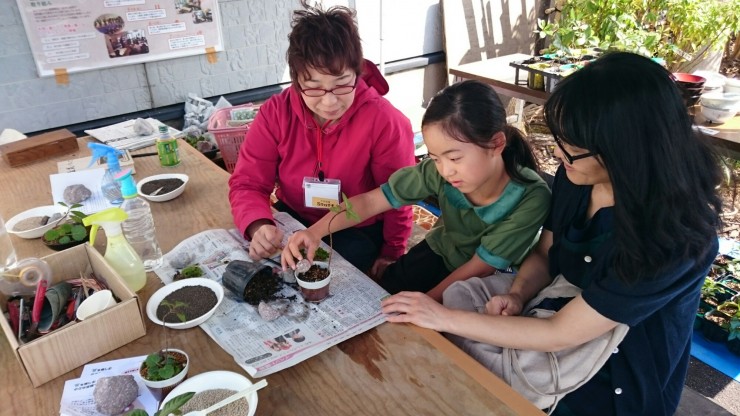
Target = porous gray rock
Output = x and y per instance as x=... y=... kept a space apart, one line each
x=143 y=127
x=113 y=394
x=74 y=194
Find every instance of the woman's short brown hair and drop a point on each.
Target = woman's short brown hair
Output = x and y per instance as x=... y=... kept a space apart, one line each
x=324 y=40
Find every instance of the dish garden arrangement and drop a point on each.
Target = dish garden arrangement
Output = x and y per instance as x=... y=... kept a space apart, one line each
x=168 y=366
x=68 y=230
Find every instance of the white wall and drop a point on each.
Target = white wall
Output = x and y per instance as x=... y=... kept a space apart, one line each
x=255 y=40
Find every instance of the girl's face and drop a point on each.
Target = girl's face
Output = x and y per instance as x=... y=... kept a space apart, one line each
x=467 y=167
x=584 y=171
x=329 y=106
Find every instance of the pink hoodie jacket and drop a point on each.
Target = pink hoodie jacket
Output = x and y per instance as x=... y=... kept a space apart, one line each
x=370 y=142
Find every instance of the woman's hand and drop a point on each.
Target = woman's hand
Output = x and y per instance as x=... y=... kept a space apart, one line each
x=507 y=305
x=292 y=251
x=416 y=308
x=265 y=242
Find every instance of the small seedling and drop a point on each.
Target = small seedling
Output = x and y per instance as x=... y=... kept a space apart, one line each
x=162 y=365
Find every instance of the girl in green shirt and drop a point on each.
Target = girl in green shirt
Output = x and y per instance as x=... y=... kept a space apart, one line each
x=483 y=174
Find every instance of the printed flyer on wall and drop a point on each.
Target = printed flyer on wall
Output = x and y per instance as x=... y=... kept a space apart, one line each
x=71 y=36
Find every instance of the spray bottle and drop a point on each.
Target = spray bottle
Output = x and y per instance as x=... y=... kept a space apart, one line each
x=110 y=188
x=139 y=227
x=118 y=253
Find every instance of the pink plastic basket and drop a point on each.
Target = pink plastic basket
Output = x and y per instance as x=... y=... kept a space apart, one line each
x=229 y=139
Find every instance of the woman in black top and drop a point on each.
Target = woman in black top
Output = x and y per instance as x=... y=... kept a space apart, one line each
x=633 y=223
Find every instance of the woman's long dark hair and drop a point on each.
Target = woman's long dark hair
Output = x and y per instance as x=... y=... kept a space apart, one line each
x=471 y=112
x=629 y=111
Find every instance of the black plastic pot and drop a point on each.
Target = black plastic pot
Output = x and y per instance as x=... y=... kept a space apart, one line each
x=239 y=273
x=713 y=331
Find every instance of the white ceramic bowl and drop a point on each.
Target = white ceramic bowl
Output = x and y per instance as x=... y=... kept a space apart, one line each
x=722 y=101
x=713 y=79
x=159 y=295
x=215 y=380
x=717 y=115
x=34 y=212
x=169 y=195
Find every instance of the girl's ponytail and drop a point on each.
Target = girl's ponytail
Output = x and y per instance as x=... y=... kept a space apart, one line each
x=517 y=153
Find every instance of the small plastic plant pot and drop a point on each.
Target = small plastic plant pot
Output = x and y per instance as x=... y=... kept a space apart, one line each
x=315 y=291
x=239 y=273
x=167 y=385
x=712 y=330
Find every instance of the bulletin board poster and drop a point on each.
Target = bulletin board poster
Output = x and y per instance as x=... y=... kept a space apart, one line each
x=80 y=35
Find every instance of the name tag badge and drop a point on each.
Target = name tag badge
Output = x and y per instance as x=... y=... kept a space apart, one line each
x=321 y=194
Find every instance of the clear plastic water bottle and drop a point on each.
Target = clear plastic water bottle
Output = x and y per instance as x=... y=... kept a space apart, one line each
x=109 y=186
x=139 y=227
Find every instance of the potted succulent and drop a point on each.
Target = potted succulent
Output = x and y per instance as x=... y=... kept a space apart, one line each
x=69 y=230
x=167 y=367
x=314 y=280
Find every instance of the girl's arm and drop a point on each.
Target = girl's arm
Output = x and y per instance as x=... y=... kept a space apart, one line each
x=473 y=267
x=365 y=205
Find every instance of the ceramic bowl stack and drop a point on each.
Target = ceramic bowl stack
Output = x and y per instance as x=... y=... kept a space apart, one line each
x=732 y=85
x=691 y=87
x=714 y=81
x=718 y=107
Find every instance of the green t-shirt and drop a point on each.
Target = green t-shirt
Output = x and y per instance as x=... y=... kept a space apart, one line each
x=500 y=233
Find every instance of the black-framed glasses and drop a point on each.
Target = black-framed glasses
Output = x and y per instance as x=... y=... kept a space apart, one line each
x=338 y=90
x=570 y=158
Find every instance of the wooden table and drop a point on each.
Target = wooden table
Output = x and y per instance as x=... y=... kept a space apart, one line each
x=502 y=77
x=392 y=369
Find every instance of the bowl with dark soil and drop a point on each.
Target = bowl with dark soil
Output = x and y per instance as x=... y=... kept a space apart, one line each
x=314 y=283
x=164 y=187
x=200 y=298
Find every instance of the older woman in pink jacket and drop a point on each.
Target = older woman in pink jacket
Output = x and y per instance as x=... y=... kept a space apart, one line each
x=332 y=127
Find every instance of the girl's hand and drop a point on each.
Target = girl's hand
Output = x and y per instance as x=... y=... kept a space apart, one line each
x=265 y=242
x=507 y=305
x=292 y=251
x=416 y=308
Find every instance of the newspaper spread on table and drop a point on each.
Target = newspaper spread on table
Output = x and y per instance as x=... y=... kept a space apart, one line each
x=262 y=347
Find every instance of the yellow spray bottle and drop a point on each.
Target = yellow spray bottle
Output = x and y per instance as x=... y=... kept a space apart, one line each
x=118 y=253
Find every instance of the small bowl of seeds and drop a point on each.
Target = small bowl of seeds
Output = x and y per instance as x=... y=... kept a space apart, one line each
x=210 y=388
x=33 y=223
x=164 y=187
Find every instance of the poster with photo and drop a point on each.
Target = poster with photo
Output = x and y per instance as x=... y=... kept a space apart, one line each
x=78 y=35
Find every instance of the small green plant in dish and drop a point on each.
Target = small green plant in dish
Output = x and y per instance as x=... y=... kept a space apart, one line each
x=188 y=272
x=69 y=227
x=165 y=364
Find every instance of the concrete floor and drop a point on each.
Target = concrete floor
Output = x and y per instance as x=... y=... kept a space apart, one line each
x=709 y=392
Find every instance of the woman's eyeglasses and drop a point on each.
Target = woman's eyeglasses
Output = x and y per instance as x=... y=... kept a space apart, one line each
x=570 y=158
x=338 y=90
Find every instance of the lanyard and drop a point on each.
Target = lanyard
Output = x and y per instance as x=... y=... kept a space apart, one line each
x=320 y=149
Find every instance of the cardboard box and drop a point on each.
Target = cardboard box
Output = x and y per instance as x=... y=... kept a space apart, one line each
x=78 y=343
x=40 y=147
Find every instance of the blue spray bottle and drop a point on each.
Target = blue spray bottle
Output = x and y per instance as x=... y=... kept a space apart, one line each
x=109 y=186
